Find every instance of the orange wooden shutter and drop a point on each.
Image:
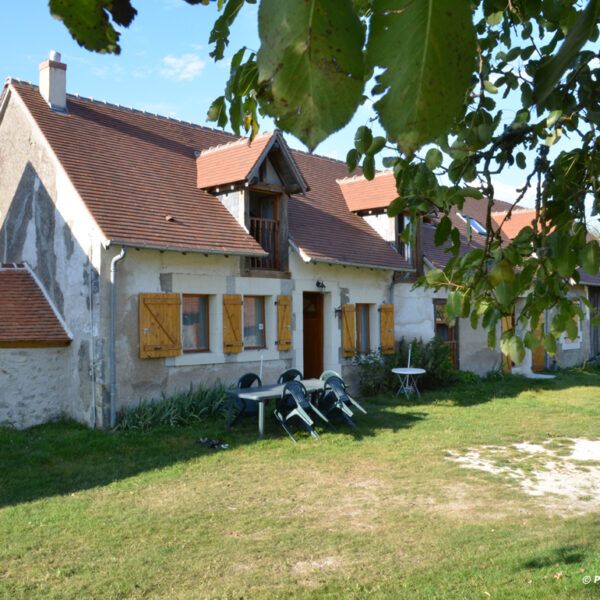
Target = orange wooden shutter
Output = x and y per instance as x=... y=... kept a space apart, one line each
x=348 y=330
x=284 y=323
x=387 y=328
x=160 y=325
x=233 y=341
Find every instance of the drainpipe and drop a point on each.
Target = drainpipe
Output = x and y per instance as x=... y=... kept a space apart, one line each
x=113 y=335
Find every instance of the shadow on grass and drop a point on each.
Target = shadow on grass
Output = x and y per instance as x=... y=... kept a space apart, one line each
x=500 y=386
x=565 y=555
x=66 y=457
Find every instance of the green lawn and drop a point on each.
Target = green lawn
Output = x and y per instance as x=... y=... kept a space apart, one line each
x=88 y=514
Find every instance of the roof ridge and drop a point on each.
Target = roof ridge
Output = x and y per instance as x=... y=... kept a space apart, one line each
x=12 y=266
x=516 y=209
x=237 y=141
x=129 y=109
x=355 y=178
x=314 y=155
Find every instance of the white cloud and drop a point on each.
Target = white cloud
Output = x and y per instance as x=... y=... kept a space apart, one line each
x=182 y=68
x=508 y=192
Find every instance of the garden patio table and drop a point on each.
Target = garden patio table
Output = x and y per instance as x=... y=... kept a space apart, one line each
x=263 y=394
x=408 y=383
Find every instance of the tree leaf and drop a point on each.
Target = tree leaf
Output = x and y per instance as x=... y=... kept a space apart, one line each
x=433 y=158
x=550 y=73
x=589 y=257
x=442 y=231
x=427 y=50
x=550 y=343
x=512 y=346
x=89 y=21
x=363 y=138
x=369 y=167
x=377 y=145
x=352 y=159
x=311 y=65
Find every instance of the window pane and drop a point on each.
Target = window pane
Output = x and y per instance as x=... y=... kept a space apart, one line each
x=363 y=340
x=194 y=328
x=254 y=323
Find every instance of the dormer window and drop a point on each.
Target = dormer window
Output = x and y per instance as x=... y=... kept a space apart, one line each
x=403 y=248
x=474 y=224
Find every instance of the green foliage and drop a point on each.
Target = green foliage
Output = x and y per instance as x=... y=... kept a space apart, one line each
x=447 y=74
x=427 y=52
x=180 y=410
x=311 y=65
x=89 y=21
x=375 y=369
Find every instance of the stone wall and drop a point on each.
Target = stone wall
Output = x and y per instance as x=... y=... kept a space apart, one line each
x=44 y=223
x=32 y=385
x=148 y=271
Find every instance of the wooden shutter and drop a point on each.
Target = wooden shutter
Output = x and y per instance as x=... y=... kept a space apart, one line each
x=160 y=325
x=233 y=341
x=386 y=315
x=284 y=323
x=348 y=330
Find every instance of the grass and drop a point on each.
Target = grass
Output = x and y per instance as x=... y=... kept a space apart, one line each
x=380 y=514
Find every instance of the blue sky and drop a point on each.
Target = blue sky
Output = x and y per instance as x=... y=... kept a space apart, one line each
x=164 y=66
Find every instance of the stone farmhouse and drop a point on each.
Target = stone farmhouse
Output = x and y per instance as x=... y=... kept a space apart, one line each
x=140 y=254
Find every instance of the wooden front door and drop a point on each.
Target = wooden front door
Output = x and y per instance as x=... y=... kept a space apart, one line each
x=312 y=315
x=538 y=356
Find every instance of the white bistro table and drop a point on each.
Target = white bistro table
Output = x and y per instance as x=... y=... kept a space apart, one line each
x=263 y=394
x=408 y=383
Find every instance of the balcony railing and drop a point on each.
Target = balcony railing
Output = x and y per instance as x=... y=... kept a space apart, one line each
x=266 y=233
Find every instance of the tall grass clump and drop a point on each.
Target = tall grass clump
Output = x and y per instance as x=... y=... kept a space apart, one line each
x=182 y=409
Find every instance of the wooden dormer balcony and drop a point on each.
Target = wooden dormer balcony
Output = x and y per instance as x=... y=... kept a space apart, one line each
x=266 y=233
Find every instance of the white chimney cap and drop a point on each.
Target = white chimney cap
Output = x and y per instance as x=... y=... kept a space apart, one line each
x=54 y=55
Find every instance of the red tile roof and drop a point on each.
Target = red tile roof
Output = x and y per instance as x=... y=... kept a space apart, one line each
x=133 y=169
x=231 y=162
x=476 y=209
x=361 y=194
x=26 y=317
x=324 y=229
x=519 y=219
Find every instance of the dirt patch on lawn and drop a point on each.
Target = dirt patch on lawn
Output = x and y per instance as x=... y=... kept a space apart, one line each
x=564 y=474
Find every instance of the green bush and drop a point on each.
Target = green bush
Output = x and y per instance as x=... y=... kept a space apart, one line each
x=375 y=369
x=182 y=409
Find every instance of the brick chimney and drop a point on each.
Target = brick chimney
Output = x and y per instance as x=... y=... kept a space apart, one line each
x=53 y=82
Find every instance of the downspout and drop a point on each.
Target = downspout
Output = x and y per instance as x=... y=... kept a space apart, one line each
x=113 y=335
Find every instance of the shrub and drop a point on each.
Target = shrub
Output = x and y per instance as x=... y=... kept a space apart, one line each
x=375 y=369
x=182 y=409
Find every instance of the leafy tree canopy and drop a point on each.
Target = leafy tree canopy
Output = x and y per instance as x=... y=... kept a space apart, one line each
x=441 y=74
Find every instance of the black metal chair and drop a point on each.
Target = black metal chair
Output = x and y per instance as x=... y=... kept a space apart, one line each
x=336 y=398
x=294 y=403
x=242 y=407
x=289 y=375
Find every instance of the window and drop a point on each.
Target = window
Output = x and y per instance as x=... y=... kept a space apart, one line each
x=363 y=334
x=402 y=224
x=254 y=322
x=194 y=323
x=474 y=224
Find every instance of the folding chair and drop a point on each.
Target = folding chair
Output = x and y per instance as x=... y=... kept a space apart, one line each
x=242 y=407
x=294 y=403
x=336 y=397
x=289 y=375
